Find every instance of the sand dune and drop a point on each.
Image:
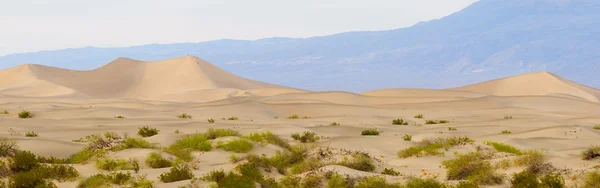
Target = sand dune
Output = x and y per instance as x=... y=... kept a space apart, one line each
x=540 y=83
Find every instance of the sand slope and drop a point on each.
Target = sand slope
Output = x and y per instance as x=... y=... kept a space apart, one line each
x=539 y=83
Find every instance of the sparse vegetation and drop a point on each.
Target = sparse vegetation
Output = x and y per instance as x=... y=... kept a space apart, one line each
x=374 y=181
x=4 y=112
x=217 y=133
x=592 y=179
x=25 y=114
x=147 y=131
x=506 y=132
x=115 y=164
x=358 y=162
x=177 y=173
x=452 y=129
x=508 y=117
x=504 y=148
x=530 y=158
x=419 y=116
x=268 y=138
x=86 y=154
x=407 y=137
x=430 y=147
x=597 y=127
x=472 y=166
x=211 y=120
x=31 y=134
x=116 y=178
x=527 y=179
x=444 y=121
x=335 y=124
x=156 y=160
x=390 y=171
x=590 y=153
x=184 y=116
x=120 y=117
x=232 y=118
x=236 y=145
x=430 y=122
x=8 y=147
x=295 y=116
x=369 y=132
x=177 y=131
x=182 y=148
x=399 y=122
x=306 y=137
x=133 y=143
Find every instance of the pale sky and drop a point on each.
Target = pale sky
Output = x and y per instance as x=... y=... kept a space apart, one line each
x=34 y=25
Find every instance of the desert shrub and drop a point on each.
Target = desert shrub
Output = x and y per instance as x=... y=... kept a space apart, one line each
x=31 y=134
x=597 y=127
x=407 y=137
x=211 y=120
x=8 y=147
x=444 y=121
x=228 y=180
x=114 y=164
x=305 y=166
x=506 y=132
x=307 y=136
x=335 y=124
x=134 y=143
x=4 y=112
x=184 y=116
x=375 y=181
x=529 y=158
x=25 y=114
x=508 y=117
x=120 y=117
x=23 y=161
x=147 y=131
x=295 y=116
x=85 y=155
x=592 y=179
x=310 y=181
x=552 y=180
x=369 y=132
x=177 y=131
x=284 y=159
x=466 y=184
x=429 y=183
x=430 y=122
x=337 y=181
x=358 y=162
x=95 y=181
x=217 y=133
x=182 y=148
x=177 y=173
x=156 y=160
x=4 y=169
x=504 y=164
x=504 y=148
x=429 y=147
x=590 y=153
x=390 y=171
x=29 y=179
x=419 y=116
x=525 y=179
x=116 y=178
x=268 y=137
x=399 y=122
x=60 y=172
x=232 y=118
x=471 y=166
x=452 y=129
x=236 y=145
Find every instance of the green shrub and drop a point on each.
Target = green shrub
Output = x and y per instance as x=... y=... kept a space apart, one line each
x=25 y=114
x=335 y=124
x=407 y=137
x=390 y=171
x=310 y=181
x=306 y=137
x=23 y=161
x=8 y=147
x=117 y=178
x=590 y=153
x=597 y=127
x=524 y=179
x=429 y=183
x=120 y=117
x=156 y=160
x=30 y=179
x=85 y=155
x=147 y=131
x=236 y=145
x=530 y=158
x=473 y=167
x=305 y=166
x=452 y=129
x=592 y=179
x=218 y=133
x=399 y=122
x=358 y=162
x=295 y=116
x=268 y=137
x=466 y=184
x=4 y=112
x=552 y=180
x=176 y=173
x=444 y=121
x=430 y=122
x=504 y=148
x=5 y=170
x=429 y=147
x=232 y=118
x=114 y=164
x=182 y=148
x=31 y=134
x=177 y=131
x=419 y=116
x=368 y=132
x=506 y=132
x=508 y=117
x=60 y=172
x=211 y=120
x=337 y=181
x=184 y=116
x=134 y=143
x=284 y=159
x=95 y=181
x=375 y=181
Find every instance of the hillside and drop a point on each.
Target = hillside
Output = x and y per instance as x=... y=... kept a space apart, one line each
x=489 y=39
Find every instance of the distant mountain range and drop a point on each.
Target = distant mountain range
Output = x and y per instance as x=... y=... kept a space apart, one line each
x=487 y=40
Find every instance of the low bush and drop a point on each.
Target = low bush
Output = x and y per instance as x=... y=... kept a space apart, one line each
x=23 y=161
x=390 y=171
x=115 y=164
x=217 y=133
x=36 y=179
x=295 y=116
x=590 y=153
x=452 y=129
x=25 y=114
x=236 y=145
x=232 y=118
x=358 y=162
x=335 y=124
x=4 y=112
x=184 y=116
x=60 y=172
x=31 y=134
x=182 y=148
x=211 y=120
x=375 y=181
x=305 y=166
x=504 y=148
x=306 y=137
x=592 y=179
x=268 y=138
x=115 y=178
x=337 y=181
x=429 y=183
x=284 y=159
x=8 y=147
x=368 y=132
x=419 y=116
x=120 y=117
x=444 y=121
x=472 y=166
x=134 y=143
x=597 y=127
x=429 y=147
x=527 y=179
x=530 y=158
x=86 y=154
x=430 y=122
x=506 y=132
x=399 y=122
x=147 y=131
x=508 y=117
x=407 y=137
x=177 y=173
x=156 y=160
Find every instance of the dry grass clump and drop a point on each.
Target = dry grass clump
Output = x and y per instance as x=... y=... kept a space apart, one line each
x=419 y=116
x=358 y=162
x=211 y=120
x=370 y=132
x=399 y=122
x=236 y=145
x=452 y=129
x=390 y=171
x=597 y=127
x=177 y=173
x=117 y=164
x=306 y=137
x=232 y=118
x=4 y=112
x=430 y=147
x=508 y=117
x=120 y=117
x=25 y=114
x=31 y=134
x=407 y=137
x=156 y=160
x=184 y=116
x=335 y=124
x=473 y=167
x=268 y=138
x=147 y=131
x=295 y=116
x=436 y=122
x=590 y=153
x=506 y=132
x=504 y=148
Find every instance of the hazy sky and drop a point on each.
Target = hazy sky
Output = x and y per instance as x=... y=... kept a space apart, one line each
x=34 y=25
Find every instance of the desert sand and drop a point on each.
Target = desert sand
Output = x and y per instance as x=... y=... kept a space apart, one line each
x=542 y=110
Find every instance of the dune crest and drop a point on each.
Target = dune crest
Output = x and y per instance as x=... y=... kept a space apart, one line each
x=534 y=84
